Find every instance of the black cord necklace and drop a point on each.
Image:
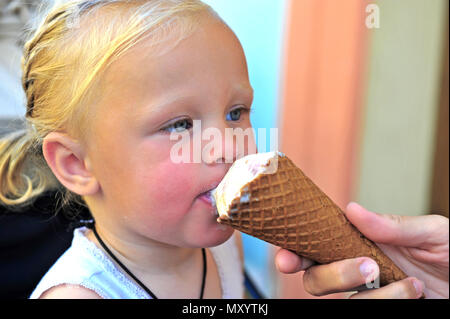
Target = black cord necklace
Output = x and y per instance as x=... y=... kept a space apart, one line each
x=146 y=289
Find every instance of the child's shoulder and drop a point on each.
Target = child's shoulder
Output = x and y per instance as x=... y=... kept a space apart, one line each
x=74 y=267
x=66 y=291
x=84 y=270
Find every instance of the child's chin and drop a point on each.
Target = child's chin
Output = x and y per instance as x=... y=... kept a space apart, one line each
x=219 y=236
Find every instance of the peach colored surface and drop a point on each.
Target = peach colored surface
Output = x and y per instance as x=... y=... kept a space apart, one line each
x=321 y=97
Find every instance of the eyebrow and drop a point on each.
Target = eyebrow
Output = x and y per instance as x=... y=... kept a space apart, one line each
x=177 y=98
x=173 y=99
x=247 y=89
x=158 y=105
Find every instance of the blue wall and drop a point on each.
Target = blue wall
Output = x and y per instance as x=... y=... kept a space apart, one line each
x=259 y=25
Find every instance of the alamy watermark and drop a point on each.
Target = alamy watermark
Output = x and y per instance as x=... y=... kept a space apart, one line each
x=214 y=145
x=373 y=17
x=73 y=18
x=372 y=20
x=373 y=283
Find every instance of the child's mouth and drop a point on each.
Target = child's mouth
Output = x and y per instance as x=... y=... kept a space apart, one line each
x=208 y=199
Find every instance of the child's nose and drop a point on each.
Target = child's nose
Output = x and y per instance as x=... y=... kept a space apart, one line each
x=224 y=147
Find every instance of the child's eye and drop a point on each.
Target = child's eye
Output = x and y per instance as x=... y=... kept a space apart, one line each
x=178 y=126
x=235 y=114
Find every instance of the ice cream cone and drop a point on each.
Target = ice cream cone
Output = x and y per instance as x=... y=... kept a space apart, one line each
x=285 y=208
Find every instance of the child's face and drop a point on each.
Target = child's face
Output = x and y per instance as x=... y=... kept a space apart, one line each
x=146 y=97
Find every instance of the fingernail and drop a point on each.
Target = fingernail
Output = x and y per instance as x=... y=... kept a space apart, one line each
x=353 y=203
x=418 y=285
x=367 y=268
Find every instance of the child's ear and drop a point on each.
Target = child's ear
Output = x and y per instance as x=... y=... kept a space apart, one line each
x=69 y=163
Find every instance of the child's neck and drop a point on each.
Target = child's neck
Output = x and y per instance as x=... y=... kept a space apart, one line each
x=144 y=255
x=168 y=271
x=137 y=252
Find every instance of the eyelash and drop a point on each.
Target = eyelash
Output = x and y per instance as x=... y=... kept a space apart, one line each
x=172 y=125
x=244 y=109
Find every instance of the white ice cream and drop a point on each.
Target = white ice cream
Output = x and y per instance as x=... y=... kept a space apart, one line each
x=240 y=173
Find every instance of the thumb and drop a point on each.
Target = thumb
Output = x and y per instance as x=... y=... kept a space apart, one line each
x=408 y=231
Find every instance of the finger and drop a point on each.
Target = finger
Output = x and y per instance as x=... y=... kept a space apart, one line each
x=343 y=275
x=287 y=262
x=389 y=229
x=409 y=288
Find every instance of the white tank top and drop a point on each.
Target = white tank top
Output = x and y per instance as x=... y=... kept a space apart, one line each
x=86 y=265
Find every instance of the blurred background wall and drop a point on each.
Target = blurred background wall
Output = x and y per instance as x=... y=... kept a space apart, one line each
x=357 y=88
x=13 y=16
x=400 y=109
x=365 y=82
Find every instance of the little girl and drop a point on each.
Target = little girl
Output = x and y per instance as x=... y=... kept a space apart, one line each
x=107 y=82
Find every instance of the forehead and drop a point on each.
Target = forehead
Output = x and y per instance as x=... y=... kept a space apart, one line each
x=212 y=53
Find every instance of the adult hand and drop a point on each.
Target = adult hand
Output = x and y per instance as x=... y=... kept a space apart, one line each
x=419 y=245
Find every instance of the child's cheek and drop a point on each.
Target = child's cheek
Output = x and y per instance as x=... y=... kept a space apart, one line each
x=172 y=188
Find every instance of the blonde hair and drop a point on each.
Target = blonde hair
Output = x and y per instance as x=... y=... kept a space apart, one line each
x=62 y=66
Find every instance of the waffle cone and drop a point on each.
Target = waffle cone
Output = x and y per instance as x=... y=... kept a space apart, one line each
x=288 y=210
